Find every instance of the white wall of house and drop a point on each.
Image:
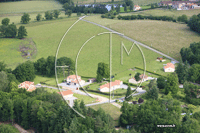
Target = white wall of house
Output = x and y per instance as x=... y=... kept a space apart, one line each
x=135 y=82
x=67 y=96
x=106 y=89
x=169 y=69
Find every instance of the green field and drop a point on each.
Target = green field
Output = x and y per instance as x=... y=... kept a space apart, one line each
x=86 y=99
x=167 y=37
x=28 y=6
x=112 y=110
x=47 y=35
x=165 y=12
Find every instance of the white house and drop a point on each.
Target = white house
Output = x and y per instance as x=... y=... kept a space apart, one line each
x=142 y=77
x=111 y=86
x=28 y=85
x=169 y=67
x=68 y=95
x=75 y=80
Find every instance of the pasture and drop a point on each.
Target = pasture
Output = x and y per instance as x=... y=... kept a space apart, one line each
x=165 y=12
x=28 y=6
x=47 y=35
x=167 y=37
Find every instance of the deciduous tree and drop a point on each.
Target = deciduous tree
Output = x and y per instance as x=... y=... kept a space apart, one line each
x=25 y=71
x=22 y=32
x=5 y=21
x=25 y=18
x=39 y=17
x=161 y=82
x=172 y=84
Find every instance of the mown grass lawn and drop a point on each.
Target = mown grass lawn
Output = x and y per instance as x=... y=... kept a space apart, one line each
x=86 y=99
x=28 y=6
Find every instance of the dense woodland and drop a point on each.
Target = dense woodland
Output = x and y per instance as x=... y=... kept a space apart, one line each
x=47 y=112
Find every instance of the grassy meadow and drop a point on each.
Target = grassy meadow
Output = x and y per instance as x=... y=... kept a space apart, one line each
x=167 y=37
x=47 y=35
x=28 y=6
x=165 y=12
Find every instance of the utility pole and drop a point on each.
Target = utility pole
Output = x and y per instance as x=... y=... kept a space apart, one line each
x=68 y=70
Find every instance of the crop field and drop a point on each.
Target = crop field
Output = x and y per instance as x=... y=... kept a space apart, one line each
x=28 y=6
x=167 y=37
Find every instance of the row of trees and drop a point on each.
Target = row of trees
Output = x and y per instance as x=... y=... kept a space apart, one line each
x=10 y=30
x=26 y=71
x=134 y=17
x=82 y=9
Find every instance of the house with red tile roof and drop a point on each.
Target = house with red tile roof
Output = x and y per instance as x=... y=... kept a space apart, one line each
x=75 y=80
x=68 y=95
x=169 y=67
x=28 y=85
x=110 y=86
x=143 y=78
x=136 y=8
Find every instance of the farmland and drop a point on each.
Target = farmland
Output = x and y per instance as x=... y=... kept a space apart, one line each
x=28 y=6
x=165 y=12
x=167 y=37
x=47 y=34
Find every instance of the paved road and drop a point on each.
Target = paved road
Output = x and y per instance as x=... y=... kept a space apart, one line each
x=128 y=38
x=102 y=99
x=113 y=101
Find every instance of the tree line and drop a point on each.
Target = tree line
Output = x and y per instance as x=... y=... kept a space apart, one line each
x=26 y=71
x=97 y=8
x=10 y=30
x=142 y=17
